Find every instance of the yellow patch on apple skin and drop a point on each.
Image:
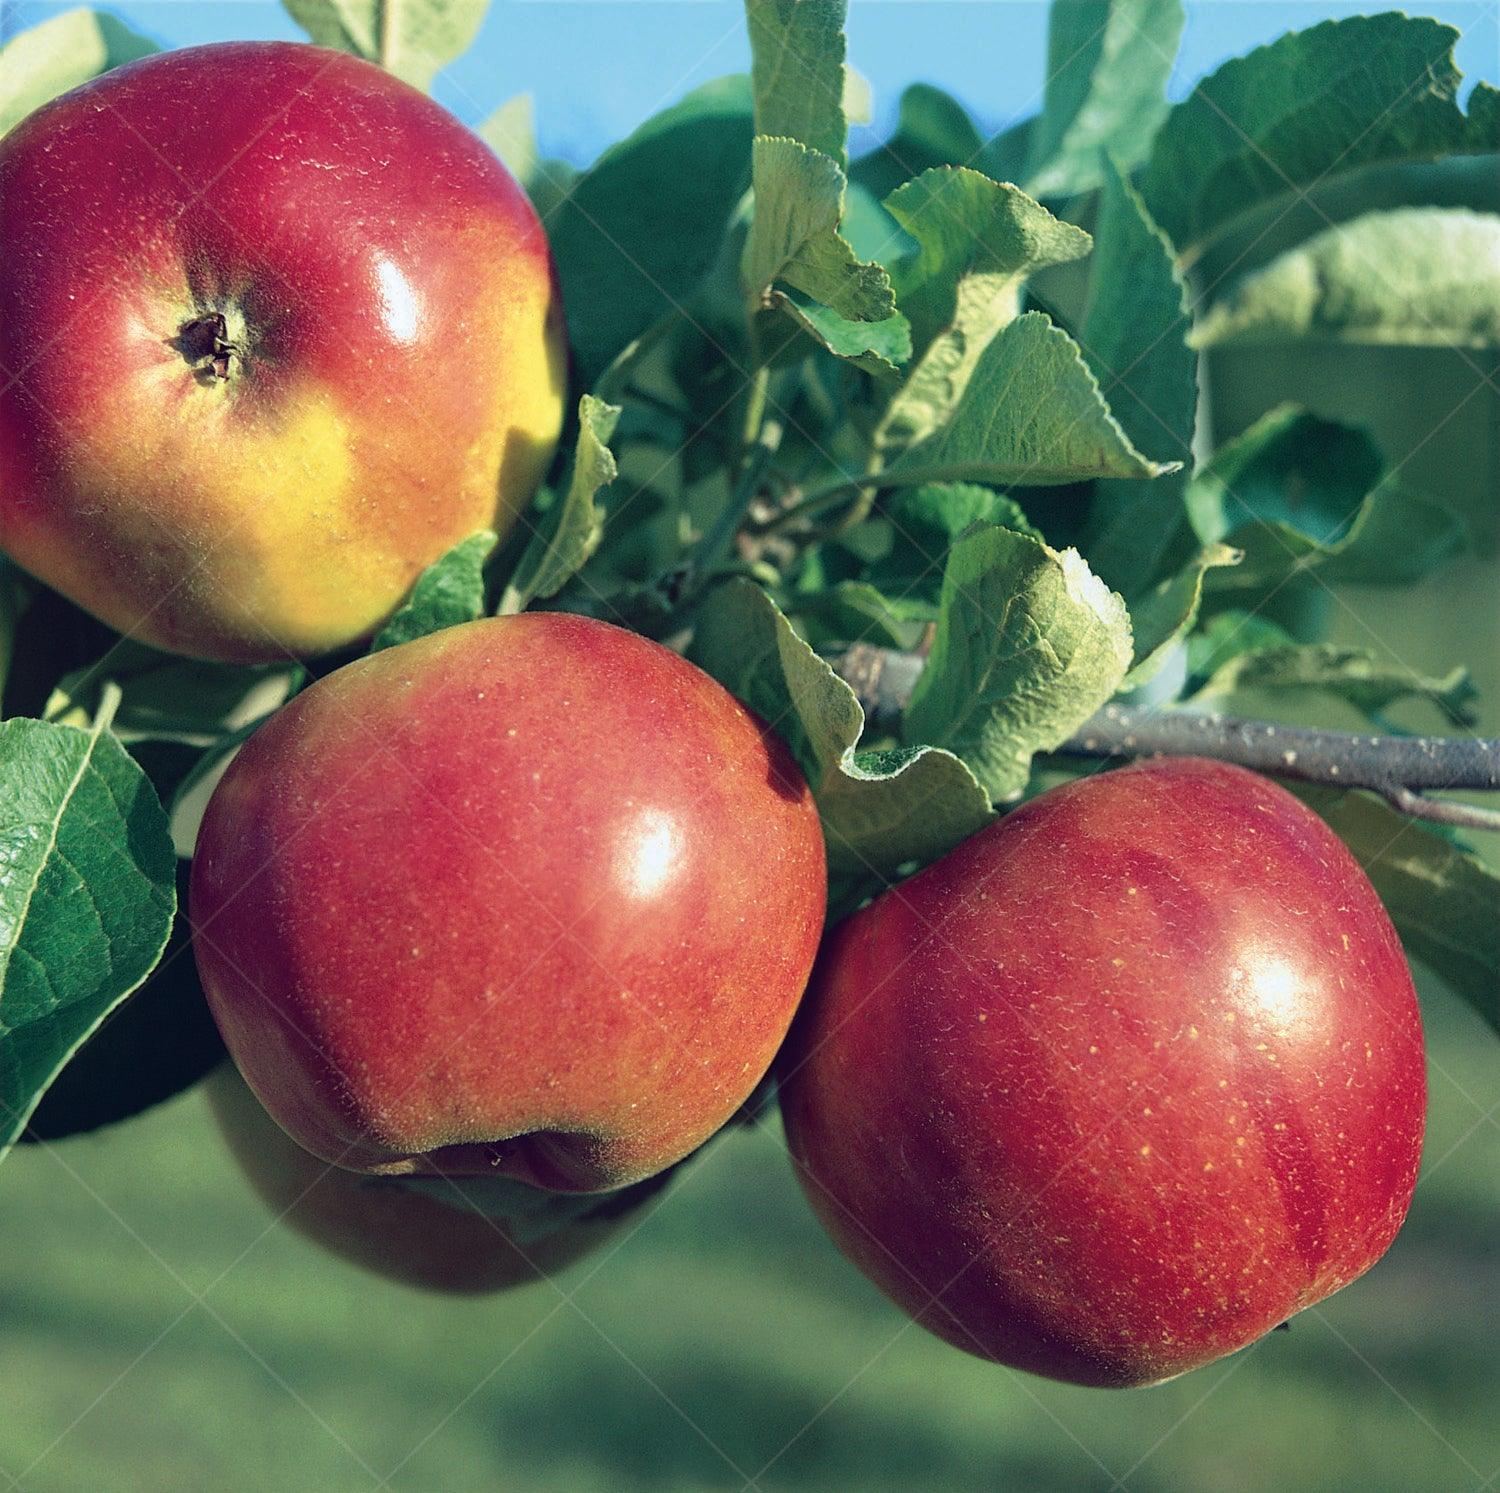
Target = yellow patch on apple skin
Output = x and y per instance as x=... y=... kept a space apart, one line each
x=265 y=514
x=509 y=459
x=259 y=529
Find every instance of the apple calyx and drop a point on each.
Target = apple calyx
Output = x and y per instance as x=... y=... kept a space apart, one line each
x=205 y=343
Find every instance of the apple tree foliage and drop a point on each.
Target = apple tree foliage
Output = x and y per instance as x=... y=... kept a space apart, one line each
x=941 y=396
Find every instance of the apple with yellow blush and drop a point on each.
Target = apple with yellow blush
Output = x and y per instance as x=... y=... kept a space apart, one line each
x=276 y=331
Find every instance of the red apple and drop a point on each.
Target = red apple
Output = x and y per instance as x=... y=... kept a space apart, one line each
x=531 y=897
x=381 y=1224
x=275 y=332
x=1121 y=1083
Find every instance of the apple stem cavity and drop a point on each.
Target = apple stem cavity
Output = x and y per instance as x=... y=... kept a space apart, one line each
x=205 y=343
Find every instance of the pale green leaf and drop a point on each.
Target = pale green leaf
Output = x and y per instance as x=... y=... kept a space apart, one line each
x=797 y=71
x=1165 y=615
x=876 y=346
x=1340 y=96
x=967 y=226
x=1414 y=277
x=414 y=39
x=571 y=529
x=859 y=97
x=977 y=243
x=62 y=52
x=448 y=592
x=1031 y=415
x=794 y=237
x=87 y=896
x=1108 y=62
x=1444 y=901
x=885 y=810
x=880 y=811
x=1030 y=643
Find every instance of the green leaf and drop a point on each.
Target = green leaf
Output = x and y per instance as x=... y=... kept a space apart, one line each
x=414 y=39
x=511 y=133
x=571 y=529
x=1227 y=635
x=880 y=811
x=1108 y=62
x=794 y=237
x=1484 y=119
x=1031 y=415
x=1368 y=682
x=1029 y=644
x=59 y=54
x=971 y=230
x=872 y=232
x=876 y=346
x=1165 y=615
x=1342 y=95
x=641 y=228
x=157 y=1043
x=856 y=612
x=932 y=129
x=1413 y=277
x=1294 y=492
x=886 y=810
x=164 y=697
x=1134 y=329
x=449 y=591
x=926 y=522
x=977 y=243
x=798 y=71
x=1441 y=897
x=1134 y=338
x=86 y=897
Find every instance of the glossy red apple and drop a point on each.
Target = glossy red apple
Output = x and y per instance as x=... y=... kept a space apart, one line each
x=381 y=1224
x=532 y=897
x=276 y=331
x=1121 y=1083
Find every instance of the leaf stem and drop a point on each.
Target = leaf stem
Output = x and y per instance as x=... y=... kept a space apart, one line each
x=755 y=411
x=110 y=696
x=1401 y=769
x=716 y=542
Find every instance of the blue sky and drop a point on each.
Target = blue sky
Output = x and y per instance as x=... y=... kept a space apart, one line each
x=596 y=68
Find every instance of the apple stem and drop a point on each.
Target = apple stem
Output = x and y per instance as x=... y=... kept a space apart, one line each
x=1401 y=769
x=205 y=342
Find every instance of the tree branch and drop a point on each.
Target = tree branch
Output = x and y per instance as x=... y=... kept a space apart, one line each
x=1399 y=768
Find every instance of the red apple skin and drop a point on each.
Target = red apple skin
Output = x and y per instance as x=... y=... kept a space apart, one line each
x=399 y=377
x=532 y=896
x=376 y=1222
x=1120 y=1084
